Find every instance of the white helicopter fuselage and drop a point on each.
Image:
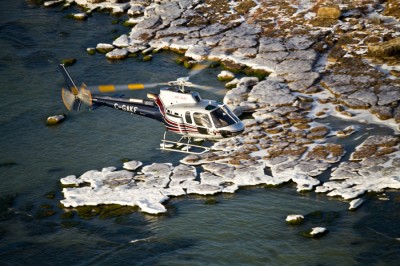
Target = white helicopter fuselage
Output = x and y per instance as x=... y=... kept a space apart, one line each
x=181 y=111
x=187 y=114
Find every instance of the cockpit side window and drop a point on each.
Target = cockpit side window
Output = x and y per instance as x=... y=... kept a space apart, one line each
x=188 y=118
x=202 y=120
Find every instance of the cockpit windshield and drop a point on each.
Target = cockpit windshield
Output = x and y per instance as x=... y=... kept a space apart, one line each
x=221 y=118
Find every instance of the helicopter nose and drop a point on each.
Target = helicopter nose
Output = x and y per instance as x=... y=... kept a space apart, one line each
x=233 y=130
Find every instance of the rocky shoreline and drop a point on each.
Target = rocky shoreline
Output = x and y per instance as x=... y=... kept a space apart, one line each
x=337 y=58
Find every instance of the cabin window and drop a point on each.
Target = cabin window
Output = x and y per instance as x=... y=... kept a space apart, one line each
x=188 y=118
x=202 y=120
x=221 y=118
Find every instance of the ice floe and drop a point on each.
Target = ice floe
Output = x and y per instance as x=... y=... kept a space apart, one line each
x=354 y=204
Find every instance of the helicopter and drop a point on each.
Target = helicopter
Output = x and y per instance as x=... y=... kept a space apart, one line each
x=182 y=111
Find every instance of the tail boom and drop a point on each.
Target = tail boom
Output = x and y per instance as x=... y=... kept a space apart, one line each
x=146 y=108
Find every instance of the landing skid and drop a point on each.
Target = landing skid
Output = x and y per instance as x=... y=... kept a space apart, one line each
x=181 y=146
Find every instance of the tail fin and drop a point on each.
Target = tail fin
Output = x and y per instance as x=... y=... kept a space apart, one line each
x=73 y=97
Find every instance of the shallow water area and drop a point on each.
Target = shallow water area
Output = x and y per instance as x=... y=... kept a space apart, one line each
x=244 y=228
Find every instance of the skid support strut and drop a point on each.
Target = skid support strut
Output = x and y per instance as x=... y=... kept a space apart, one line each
x=181 y=146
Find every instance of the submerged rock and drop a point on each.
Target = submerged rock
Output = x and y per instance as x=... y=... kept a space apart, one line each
x=294 y=219
x=117 y=54
x=80 y=16
x=91 y=50
x=226 y=75
x=56 y=119
x=104 y=47
x=68 y=61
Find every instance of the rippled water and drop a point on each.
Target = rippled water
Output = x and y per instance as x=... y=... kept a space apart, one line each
x=247 y=228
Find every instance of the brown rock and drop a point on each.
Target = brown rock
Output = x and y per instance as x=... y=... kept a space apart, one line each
x=323 y=22
x=329 y=152
x=209 y=156
x=382 y=112
x=332 y=12
x=335 y=149
x=274 y=152
x=385 y=49
x=354 y=103
x=249 y=148
x=386 y=150
x=382 y=141
x=303 y=141
x=282 y=120
x=364 y=152
x=275 y=130
x=339 y=85
x=392 y=9
x=395 y=73
x=305 y=99
x=306 y=106
x=318 y=152
x=297 y=134
x=302 y=126
x=232 y=66
x=318 y=132
x=336 y=54
x=191 y=158
x=345 y=132
x=324 y=101
x=234 y=162
x=339 y=108
x=268 y=124
x=294 y=150
x=346 y=113
x=396 y=115
x=298 y=118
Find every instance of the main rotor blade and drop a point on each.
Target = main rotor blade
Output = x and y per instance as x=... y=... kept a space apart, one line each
x=68 y=98
x=198 y=68
x=210 y=88
x=122 y=87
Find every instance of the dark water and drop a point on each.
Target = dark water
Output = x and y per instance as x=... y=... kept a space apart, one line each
x=247 y=228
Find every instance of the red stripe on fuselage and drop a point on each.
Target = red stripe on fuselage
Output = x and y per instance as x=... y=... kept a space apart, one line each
x=172 y=125
x=160 y=105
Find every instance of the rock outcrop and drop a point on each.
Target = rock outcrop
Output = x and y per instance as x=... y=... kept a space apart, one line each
x=319 y=59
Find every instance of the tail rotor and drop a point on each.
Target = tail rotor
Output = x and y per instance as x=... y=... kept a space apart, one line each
x=74 y=97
